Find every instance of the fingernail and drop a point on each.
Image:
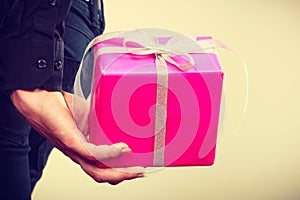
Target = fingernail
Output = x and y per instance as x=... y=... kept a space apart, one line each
x=122 y=146
x=125 y=149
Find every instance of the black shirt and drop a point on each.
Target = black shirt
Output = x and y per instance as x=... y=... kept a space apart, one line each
x=31 y=45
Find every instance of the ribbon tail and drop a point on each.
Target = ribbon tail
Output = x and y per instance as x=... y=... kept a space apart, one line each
x=161 y=111
x=220 y=44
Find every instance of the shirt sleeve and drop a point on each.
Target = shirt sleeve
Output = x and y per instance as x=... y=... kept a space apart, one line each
x=32 y=48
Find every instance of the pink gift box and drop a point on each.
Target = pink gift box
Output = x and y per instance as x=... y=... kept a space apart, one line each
x=123 y=106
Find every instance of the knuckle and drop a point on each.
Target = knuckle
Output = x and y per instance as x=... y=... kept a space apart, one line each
x=98 y=178
x=114 y=182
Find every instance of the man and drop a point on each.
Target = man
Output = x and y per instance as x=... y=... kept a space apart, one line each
x=36 y=73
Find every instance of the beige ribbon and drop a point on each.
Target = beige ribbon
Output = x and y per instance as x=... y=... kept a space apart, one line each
x=177 y=45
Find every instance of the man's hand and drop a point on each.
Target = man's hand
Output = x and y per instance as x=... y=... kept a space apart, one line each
x=50 y=114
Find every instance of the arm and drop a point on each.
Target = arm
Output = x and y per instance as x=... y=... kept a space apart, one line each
x=29 y=49
x=49 y=114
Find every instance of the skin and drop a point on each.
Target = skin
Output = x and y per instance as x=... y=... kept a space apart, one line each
x=50 y=113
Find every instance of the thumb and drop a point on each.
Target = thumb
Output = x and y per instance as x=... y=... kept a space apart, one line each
x=103 y=152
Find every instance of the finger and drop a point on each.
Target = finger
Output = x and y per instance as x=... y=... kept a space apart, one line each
x=112 y=176
x=103 y=152
x=101 y=175
x=115 y=176
x=135 y=169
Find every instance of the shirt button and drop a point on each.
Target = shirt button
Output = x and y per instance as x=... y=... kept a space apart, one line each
x=52 y=2
x=41 y=64
x=58 y=65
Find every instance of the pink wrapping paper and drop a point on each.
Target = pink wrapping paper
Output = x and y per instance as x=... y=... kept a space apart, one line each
x=123 y=107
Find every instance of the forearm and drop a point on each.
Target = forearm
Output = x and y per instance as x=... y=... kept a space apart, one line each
x=46 y=111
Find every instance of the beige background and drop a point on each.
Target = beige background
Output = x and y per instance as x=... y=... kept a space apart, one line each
x=262 y=160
